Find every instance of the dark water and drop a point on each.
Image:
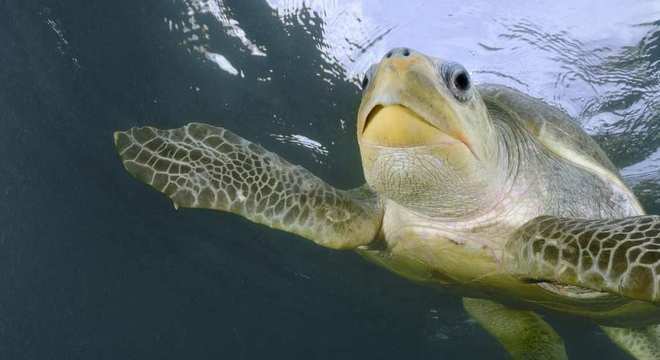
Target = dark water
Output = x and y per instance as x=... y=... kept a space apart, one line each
x=94 y=265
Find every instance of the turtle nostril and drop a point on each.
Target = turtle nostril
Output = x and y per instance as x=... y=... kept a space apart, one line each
x=398 y=53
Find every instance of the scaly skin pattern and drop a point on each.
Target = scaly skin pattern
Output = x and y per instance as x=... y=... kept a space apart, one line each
x=523 y=333
x=201 y=166
x=618 y=255
x=455 y=180
x=641 y=343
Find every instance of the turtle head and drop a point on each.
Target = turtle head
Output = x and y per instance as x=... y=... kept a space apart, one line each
x=425 y=136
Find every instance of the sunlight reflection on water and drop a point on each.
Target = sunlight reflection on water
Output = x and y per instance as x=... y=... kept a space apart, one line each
x=601 y=70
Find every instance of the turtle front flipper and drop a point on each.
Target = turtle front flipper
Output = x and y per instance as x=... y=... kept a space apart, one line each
x=620 y=256
x=202 y=166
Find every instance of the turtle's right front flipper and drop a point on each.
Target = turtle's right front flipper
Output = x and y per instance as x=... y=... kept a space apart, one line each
x=620 y=256
x=202 y=166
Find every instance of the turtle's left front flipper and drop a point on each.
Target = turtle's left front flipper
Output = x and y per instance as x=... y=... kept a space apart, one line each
x=620 y=256
x=202 y=166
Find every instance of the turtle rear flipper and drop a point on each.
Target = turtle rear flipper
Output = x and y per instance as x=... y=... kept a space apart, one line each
x=202 y=166
x=524 y=334
x=641 y=343
x=620 y=256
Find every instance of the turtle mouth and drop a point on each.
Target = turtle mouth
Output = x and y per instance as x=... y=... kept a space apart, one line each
x=378 y=109
x=399 y=126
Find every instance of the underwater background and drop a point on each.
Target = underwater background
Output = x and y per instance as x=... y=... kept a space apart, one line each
x=96 y=265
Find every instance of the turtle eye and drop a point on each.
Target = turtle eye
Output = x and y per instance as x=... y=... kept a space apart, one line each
x=367 y=76
x=365 y=81
x=461 y=80
x=457 y=80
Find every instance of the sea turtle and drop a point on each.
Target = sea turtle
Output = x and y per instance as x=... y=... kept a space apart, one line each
x=482 y=190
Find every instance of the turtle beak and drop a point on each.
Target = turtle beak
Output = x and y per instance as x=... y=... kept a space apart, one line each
x=399 y=126
x=407 y=104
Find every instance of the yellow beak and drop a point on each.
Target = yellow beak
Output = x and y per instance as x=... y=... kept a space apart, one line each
x=398 y=126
